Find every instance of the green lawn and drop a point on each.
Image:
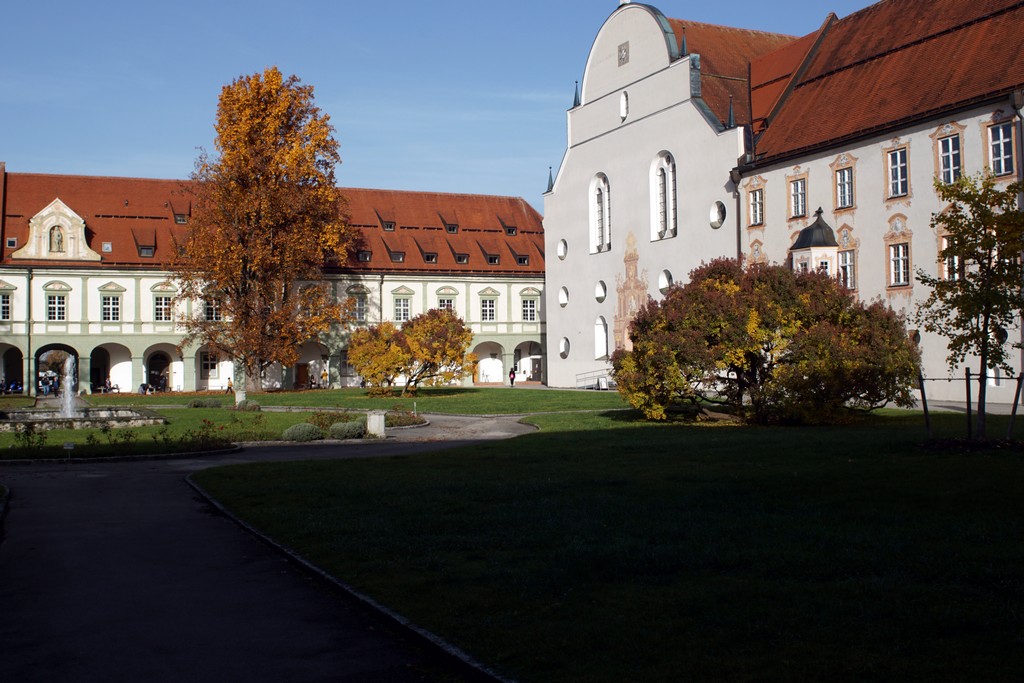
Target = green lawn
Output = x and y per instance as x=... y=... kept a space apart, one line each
x=450 y=400
x=602 y=549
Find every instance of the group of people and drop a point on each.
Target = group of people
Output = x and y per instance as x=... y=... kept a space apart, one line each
x=12 y=387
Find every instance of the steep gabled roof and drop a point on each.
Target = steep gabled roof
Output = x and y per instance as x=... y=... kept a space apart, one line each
x=724 y=55
x=894 y=62
x=129 y=213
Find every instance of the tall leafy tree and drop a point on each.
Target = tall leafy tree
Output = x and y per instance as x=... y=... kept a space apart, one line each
x=980 y=292
x=266 y=219
x=380 y=356
x=774 y=345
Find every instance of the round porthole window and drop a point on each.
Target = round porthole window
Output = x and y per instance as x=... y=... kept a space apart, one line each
x=563 y=347
x=717 y=215
x=563 y=297
x=562 y=249
x=600 y=291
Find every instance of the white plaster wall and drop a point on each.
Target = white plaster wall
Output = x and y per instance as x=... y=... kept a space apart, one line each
x=661 y=118
x=870 y=220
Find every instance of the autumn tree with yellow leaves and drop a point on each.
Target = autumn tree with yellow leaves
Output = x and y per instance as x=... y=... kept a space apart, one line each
x=772 y=345
x=430 y=349
x=266 y=219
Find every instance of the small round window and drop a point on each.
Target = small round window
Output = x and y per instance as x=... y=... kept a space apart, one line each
x=562 y=249
x=563 y=297
x=716 y=216
x=600 y=291
x=563 y=347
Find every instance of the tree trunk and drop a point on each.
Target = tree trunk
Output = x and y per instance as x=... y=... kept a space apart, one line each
x=240 y=380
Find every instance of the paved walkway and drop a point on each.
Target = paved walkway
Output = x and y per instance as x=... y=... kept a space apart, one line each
x=119 y=571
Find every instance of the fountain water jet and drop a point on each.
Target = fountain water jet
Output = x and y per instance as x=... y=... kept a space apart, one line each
x=67 y=389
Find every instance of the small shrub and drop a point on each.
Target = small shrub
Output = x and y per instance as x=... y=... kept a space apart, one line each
x=303 y=431
x=247 y=405
x=29 y=438
x=324 y=419
x=347 y=430
x=402 y=418
x=204 y=403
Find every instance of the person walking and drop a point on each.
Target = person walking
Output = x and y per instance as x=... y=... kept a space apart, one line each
x=230 y=388
x=512 y=377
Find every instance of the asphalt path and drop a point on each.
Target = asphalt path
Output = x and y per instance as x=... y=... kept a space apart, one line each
x=120 y=571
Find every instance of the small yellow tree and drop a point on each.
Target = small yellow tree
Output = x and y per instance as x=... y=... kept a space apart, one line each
x=379 y=354
x=438 y=343
x=266 y=218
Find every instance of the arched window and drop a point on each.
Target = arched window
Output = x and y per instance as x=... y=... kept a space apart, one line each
x=600 y=214
x=664 y=210
x=600 y=338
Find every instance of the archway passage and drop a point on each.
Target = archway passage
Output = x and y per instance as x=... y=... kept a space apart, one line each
x=490 y=368
x=12 y=371
x=158 y=370
x=99 y=368
x=49 y=368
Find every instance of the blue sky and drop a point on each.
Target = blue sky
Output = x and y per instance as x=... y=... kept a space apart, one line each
x=456 y=96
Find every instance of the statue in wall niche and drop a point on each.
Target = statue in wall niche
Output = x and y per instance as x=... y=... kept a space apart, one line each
x=56 y=239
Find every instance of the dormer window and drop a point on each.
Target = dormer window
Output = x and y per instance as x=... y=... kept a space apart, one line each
x=107 y=247
x=146 y=252
x=389 y=226
x=493 y=260
x=364 y=255
x=12 y=242
x=452 y=228
x=430 y=258
x=180 y=219
x=462 y=258
x=523 y=260
x=397 y=256
x=511 y=230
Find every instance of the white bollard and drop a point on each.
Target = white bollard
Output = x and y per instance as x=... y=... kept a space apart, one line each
x=375 y=424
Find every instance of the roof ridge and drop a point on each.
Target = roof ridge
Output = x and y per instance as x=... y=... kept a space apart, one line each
x=688 y=22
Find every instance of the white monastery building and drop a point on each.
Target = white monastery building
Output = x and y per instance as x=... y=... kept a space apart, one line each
x=689 y=142
x=84 y=270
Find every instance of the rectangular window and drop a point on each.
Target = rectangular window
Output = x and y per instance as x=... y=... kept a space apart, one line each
x=430 y=257
x=949 y=158
x=364 y=255
x=847 y=269
x=899 y=184
x=757 y=207
x=951 y=264
x=402 y=307
x=12 y=242
x=208 y=365
x=899 y=264
x=798 y=197
x=397 y=256
x=162 y=309
x=446 y=304
x=487 y=309
x=5 y=306
x=844 y=188
x=523 y=260
x=56 y=307
x=359 y=311
x=492 y=260
x=110 y=308
x=213 y=310
x=530 y=310
x=1000 y=138
x=462 y=258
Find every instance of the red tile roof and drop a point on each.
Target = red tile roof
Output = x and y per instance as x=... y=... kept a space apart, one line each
x=724 y=55
x=889 y=64
x=134 y=212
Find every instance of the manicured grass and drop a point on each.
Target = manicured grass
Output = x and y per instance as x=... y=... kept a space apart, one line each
x=450 y=400
x=188 y=429
x=602 y=549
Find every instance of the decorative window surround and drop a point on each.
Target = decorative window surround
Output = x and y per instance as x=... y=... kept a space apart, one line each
x=947 y=151
x=899 y=256
x=896 y=167
x=1000 y=145
x=796 y=192
x=755 y=190
x=844 y=184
